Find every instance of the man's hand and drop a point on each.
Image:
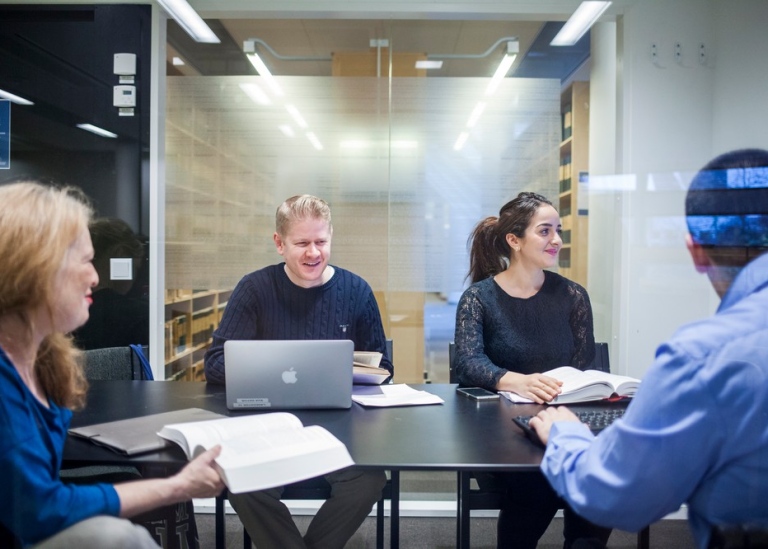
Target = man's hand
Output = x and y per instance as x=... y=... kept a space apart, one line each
x=542 y=422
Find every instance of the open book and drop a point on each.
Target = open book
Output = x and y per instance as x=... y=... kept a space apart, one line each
x=262 y=451
x=583 y=386
x=365 y=368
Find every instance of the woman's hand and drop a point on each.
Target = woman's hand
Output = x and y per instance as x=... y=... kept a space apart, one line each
x=199 y=479
x=538 y=387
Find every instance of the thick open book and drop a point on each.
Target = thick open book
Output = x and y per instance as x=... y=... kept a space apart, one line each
x=365 y=368
x=262 y=451
x=583 y=386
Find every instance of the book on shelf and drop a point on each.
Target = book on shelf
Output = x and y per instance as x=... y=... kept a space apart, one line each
x=365 y=368
x=263 y=450
x=584 y=386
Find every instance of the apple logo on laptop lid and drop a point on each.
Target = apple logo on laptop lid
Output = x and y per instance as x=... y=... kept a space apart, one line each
x=289 y=376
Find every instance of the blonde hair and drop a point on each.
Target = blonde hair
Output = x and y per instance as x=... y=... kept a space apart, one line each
x=299 y=208
x=38 y=224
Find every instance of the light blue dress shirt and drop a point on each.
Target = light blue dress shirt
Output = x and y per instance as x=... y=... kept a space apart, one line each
x=695 y=433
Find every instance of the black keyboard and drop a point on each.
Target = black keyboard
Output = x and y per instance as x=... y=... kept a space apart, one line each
x=596 y=420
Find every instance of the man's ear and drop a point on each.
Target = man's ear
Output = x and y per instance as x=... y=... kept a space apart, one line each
x=278 y=243
x=700 y=258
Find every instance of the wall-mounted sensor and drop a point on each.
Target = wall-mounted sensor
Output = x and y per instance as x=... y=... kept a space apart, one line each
x=125 y=64
x=124 y=96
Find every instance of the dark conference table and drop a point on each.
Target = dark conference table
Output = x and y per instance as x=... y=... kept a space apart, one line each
x=461 y=435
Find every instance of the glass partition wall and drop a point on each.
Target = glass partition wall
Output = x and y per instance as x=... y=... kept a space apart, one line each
x=411 y=159
x=408 y=162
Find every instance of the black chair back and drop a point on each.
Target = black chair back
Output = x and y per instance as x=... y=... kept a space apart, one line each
x=112 y=363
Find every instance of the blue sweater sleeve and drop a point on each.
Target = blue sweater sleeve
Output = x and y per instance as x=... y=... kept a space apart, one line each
x=35 y=503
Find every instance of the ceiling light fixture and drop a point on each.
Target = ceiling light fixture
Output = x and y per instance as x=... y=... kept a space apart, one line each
x=513 y=47
x=98 y=131
x=178 y=62
x=314 y=140
x=190 y=21
x=476 y=113
x=296 y=115
x=263 y=71
x=429 y=64
x=579 y=23
x=256 y=94
x=14 y=98
x=463 y=136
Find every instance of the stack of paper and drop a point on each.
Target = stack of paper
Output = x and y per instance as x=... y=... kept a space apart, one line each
x=397 y=395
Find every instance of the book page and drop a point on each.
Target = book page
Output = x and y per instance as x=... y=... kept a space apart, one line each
x=278 y=458
x=367 y=359
x=193 y=437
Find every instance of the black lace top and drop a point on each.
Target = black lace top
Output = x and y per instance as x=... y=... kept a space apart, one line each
x=496 y=332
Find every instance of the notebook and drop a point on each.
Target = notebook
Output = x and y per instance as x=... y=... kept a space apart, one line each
x=288 y=374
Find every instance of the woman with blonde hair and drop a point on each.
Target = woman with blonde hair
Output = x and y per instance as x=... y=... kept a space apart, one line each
x=45 y=292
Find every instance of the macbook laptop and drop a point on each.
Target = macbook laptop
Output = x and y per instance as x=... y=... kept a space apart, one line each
x=288 y=374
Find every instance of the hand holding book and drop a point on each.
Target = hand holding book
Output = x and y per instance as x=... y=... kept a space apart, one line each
x=584 y=386
x=262 y=451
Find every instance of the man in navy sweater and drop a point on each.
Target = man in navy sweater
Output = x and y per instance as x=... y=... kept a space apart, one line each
x=303 y=298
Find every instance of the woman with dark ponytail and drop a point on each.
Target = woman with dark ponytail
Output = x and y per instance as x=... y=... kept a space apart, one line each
x=517 y=320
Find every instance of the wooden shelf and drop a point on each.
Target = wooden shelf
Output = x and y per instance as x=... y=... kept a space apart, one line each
x=190 y=319
x=572 y=199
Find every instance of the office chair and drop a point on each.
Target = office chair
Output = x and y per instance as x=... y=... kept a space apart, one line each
x=112 y=363
x=469 y=498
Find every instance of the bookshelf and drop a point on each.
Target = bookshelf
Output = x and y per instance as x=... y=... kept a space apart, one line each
x=574 y=172
x=191 y=316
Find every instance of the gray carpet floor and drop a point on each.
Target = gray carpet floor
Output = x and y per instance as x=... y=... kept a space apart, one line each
x=440 y=533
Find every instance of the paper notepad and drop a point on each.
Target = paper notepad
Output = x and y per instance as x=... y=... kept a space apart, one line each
x=397 y=395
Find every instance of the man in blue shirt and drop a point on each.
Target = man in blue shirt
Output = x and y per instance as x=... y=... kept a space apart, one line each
x=697 y=430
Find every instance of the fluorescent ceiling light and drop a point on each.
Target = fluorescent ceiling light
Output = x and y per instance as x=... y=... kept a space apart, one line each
x=256 y=94
x=177 y=61
x=314 y=140
x=579 y=23
x=14 y=98
x=500 y=73
x=513 y=47
x=287 y=130
x=263 y=71
x=98 y=131
x=296 y=115
x=190 y=21
x=476 y=113
x=429 y=64
x=463 y=136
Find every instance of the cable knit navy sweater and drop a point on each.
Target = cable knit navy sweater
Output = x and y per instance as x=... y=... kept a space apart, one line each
x=265 y=304
x=496 y=332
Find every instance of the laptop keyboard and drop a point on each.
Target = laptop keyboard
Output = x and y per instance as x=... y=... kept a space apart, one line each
x=596 y=420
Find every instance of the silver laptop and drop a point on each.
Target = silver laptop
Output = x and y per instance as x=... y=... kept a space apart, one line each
x=288 y=374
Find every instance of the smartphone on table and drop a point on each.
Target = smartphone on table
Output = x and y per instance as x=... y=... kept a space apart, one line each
x=477 y=393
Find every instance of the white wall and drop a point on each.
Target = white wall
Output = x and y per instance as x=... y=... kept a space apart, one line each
x=673 y=114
